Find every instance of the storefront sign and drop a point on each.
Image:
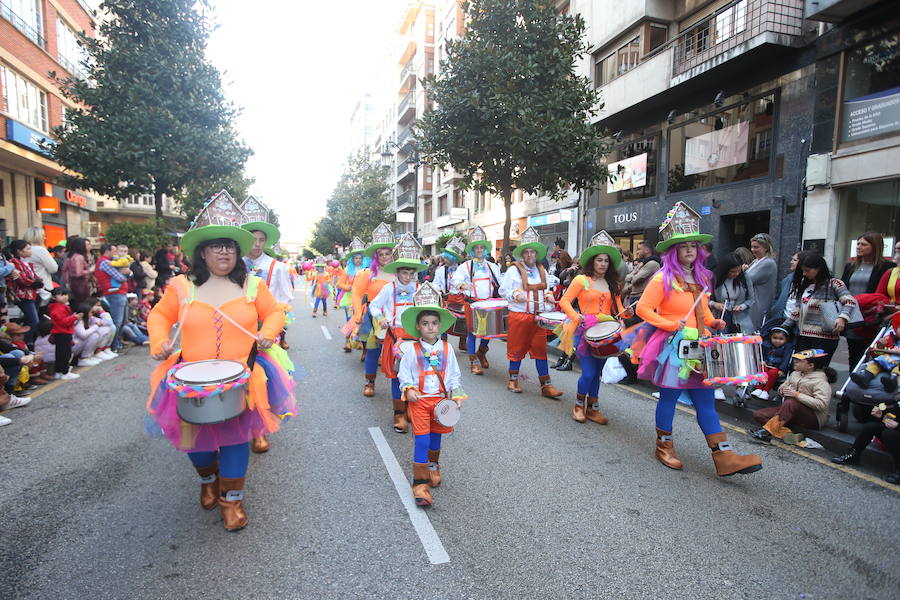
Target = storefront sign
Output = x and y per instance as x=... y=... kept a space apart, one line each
x=428 y=240
x=406 y=217
x=627 y=174
x=871 y=115
x=717 y=149
x=622 y=217
x=553 y=218
x=76 y=199
x=25 y=136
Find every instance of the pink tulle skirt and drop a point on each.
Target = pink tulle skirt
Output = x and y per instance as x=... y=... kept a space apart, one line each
x=663 y=375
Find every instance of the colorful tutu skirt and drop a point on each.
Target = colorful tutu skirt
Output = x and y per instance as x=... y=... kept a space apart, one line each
x=658 y=361
x=270 y=401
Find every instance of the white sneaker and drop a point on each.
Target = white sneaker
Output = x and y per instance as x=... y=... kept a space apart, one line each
x=89 y=362
x=655 y=395
x=719 y=394
x=761 y=394
x=105 y=355
x=4 y=421
x=70 y=375
x=16 y=402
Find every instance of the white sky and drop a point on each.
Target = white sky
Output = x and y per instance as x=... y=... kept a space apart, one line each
x=297 y=69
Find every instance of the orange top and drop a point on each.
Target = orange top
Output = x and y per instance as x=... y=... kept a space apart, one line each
x=344 y=281
x=591 y=301
x=364 y=285
x=664 y=313
x=322 y=280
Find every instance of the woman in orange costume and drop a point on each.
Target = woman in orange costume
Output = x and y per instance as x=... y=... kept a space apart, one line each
x=217 y=305
x=597 y=291
x=321 y=286
x=354 y=269
x=676 y=304
x=366 y=286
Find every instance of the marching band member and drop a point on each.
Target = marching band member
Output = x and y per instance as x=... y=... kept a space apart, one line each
x=453 y=253
x=676 y=303
x=355 y=267
x=321 y=287
x=366 y=287
x=597 y=292
x=224 y=313
x=479 y=279
x=527 y=287
x=387 y=309
x=428 y=373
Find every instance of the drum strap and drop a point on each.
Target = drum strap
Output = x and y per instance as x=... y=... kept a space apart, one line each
x=536 y=289
x=426 y=368
x=271 y=270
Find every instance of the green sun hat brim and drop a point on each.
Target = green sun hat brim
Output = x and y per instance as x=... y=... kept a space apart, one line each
x=471 y=246
x=539 y=247
x=405 y=263
x=272 y=233
x=195 y=237
x=274 y=254
x=411 y=314
x=352 y=252
x=703 y=238
x=615 y=255
x=370 y=250
x=456 y=255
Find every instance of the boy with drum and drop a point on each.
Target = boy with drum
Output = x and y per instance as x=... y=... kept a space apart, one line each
x=429 y=378
x=479 y=279
x=454 y=300
x=528 y=288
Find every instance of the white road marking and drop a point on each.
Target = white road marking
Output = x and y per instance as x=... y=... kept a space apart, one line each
x=437 y=555
x=325 y=333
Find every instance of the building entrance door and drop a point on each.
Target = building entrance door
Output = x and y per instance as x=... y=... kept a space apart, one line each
x=629 y=242
x=736 y=230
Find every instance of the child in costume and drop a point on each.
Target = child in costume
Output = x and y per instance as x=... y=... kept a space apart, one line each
x=885 y=366
x=806 y=395
x=356 y=267
x=428 y=374
x=777 y=350
x=321 y=289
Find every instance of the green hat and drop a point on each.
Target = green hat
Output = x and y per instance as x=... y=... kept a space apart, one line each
x=258 y=217
x=478 y=238
x=407 y=255
x=382 y=237
x=426 y=298
x=530 y=239
x=272 y=233
x=682 y=224
x=456 y=247
x=357 y=246
x=601 y=243
x=218 y=219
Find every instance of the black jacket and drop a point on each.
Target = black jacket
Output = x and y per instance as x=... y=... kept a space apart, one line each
x=874 y=278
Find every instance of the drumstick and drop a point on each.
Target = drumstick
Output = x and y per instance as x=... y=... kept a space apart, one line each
x=626 y=309
x=696 y=302
x=724 y=309
x=233 y=322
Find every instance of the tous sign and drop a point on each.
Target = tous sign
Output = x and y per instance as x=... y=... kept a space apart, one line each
x=623 y=218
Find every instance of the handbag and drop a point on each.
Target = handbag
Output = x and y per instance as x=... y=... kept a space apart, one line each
x=831 y=310
x=37 y=284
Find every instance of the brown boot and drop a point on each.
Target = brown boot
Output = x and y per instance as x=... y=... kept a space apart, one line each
x=592 y=412
x=284 y=345
x=401 y=424
x=578 y=409
x=259 y=445
x=434 y=467
x=231 y=495
x=369 y=388
x=463 y=344
x=665 y=450
x=209 y=486
x=482 y=357
x=547 y=389
x=420 y=485
x=513 y=384
x=474 y=367
x=726 y=461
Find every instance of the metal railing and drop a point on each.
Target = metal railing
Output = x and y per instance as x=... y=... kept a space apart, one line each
x=731 y=26
x=19 y=23
x=404 y=200
x=404 y=104
x=404 y=167
x=408 y=68
x=403 y=136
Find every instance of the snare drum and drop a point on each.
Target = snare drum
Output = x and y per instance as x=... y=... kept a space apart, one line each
x=603 y=338
x=550 y=320
x=209 y=391
x=490 y=318
x=733 y=359
x=446 y=412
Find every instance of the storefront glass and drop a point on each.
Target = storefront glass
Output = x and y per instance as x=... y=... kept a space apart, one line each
x=872 y=89
x=632 y=170
x=869 y=207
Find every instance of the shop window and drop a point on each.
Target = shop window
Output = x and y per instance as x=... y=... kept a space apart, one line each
x=632 y=170
x=23 y=100
x=732 y=144
x=871 y=87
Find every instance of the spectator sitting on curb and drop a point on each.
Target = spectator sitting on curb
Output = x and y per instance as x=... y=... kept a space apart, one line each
x=885 y=429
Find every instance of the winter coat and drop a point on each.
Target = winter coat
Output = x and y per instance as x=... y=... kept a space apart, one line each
x=814 y=392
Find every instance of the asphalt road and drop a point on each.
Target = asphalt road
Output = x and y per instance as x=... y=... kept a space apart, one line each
x=534 y=505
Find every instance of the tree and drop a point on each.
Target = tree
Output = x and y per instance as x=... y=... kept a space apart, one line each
x=154 y=117
x=359 y=201
x=510 y=113
x=143 y=236
x=326 y=234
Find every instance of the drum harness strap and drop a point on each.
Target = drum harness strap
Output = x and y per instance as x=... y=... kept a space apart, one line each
x=425 y=363
x=495 y=285
x=535 y=288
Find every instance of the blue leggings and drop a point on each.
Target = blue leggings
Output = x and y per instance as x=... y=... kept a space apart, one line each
x=540 y=364
x=704 y=403
x=373 y=357
x=324 y=302
x=395 y=388
x=591 y=369
x=424 y=443
x=233 y=460
x=470 y=343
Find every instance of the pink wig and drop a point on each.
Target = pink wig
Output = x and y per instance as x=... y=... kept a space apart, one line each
x=672 y=269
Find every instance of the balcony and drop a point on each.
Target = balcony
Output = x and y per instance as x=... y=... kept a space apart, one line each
x=404 y=136
x=651 y=77
x=834 y=11
x=406 y=169
x=406 y=200
x=733 y=30
x=406 y=110
x=27 y=28
x=408 y=76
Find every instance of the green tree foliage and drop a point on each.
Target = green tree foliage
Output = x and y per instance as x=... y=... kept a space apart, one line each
x=156 y=119
x=510 y=111
x=325 y=235
x=360 y=201
x=442 y=240
x=142 y=236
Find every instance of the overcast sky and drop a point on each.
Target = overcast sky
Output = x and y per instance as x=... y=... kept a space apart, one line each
x=297 y=69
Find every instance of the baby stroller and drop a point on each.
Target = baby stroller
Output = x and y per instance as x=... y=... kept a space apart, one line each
x=863 y=397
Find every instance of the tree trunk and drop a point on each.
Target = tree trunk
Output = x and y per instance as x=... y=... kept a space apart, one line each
x=158 y=201
x=507 y=207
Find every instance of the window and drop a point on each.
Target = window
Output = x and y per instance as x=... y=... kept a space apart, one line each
x=442 y=205
x=71 y=54
x=871 y=85
x=26 y=16
x=731 y=21
x=656 y=36
x=722 y=145
x=426 y=210
x=605 y=70
x=697 y=40
x=459 y=199
x=609 y=66
x=23 y=100
x=628 y=56
x=632 y=168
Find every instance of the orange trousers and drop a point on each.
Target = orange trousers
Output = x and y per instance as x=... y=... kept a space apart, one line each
x=525 y=337
x=421 y=413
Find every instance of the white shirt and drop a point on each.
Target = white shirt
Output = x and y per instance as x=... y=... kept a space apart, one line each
x=383 y=304
x=444 y=284
x=512 y=281
x=44 y=265
x=484 y=272
x=408 y=372
x=280 y=285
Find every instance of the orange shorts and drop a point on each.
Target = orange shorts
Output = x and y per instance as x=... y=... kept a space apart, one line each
x=387 y=351
x=421 y=413
x=525 y=337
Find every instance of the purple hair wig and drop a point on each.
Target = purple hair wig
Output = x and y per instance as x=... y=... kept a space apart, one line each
x=672 y=269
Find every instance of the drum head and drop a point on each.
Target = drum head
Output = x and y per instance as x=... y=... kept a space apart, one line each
x=603 y=330
x=555 y=316
x=209 y=371
x=446 y=412
x=490 y=304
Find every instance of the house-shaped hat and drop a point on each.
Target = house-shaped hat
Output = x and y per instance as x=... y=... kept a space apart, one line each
x=478 y=237
x=682 y=224
x=427 y=297
x=407 y=255
x=382 y=237
x=601 y=243
x=357 y=246
x=259 y=218
x=220 y=217
x=456 y=247
x=530 y=239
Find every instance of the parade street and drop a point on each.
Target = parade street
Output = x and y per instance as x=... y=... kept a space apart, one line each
x=533 y=504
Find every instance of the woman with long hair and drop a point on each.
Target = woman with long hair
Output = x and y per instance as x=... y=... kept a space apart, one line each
x=77 y=269
x=762 y=273
x=734 y=295
x=44 y=264
x=25 y=287
x=675 y=304
x=862 y=275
